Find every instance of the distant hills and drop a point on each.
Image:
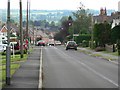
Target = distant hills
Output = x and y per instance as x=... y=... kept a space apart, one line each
x=49 y=15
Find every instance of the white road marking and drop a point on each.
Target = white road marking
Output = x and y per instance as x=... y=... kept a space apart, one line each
x=40 y=71
x=97 y=73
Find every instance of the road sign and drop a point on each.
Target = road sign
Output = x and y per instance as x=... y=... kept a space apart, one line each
x=75 y=34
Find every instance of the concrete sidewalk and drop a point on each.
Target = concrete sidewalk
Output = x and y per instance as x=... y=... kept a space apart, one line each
x=27 y=76
x=106 y=56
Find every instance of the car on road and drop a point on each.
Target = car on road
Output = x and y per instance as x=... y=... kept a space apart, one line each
x=40 y=43
x=71 y=45
x=58 y=43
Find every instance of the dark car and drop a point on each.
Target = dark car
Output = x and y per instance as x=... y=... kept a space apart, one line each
x=71 y=45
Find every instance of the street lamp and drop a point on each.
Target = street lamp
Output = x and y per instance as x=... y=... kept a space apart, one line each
x=62 y=28
x=21 y=31
x=8 y=54
x=70 y=24
x=27 y=22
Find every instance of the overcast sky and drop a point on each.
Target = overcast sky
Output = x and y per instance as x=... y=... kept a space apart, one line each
x=62 y=4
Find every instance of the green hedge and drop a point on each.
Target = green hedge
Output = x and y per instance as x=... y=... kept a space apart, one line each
x=82 y=37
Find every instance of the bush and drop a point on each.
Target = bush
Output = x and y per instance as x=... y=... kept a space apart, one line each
x=82 y=37
x=85 y=43
x=94 y=44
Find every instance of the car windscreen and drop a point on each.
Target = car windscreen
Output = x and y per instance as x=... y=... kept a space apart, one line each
x=71 y=43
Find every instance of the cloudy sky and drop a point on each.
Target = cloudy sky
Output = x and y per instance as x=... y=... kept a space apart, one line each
x=62 y=4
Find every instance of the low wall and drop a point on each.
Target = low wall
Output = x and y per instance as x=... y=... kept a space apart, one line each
x=110 y=48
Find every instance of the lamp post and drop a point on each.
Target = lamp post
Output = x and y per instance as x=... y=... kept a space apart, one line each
x=70 y=24
x=27 y=22
x=21 y=31
x=8 y=53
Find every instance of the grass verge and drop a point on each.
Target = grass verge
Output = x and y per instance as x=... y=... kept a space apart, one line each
x=15 y=64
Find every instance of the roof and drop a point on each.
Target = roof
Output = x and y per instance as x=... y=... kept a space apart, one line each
x=102 y=18
x=4 y=29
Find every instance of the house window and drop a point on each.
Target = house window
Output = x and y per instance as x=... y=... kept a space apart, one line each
x=4 y=41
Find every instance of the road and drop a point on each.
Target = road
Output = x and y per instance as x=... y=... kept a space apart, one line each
x=74 y=69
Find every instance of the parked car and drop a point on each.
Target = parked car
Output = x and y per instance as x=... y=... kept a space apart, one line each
x=71 y=45
x=2 y=48
x=17 y=47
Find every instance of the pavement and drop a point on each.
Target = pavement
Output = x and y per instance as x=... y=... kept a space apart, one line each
x=106 y=56
x=27 y=76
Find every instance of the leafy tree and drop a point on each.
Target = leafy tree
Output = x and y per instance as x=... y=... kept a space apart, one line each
x=82 y=21
x=64 y=18
x=64 y=32
x=115 y=37
x=115 y=34
x=59 y=36
x=101 y=33
x=52 y=24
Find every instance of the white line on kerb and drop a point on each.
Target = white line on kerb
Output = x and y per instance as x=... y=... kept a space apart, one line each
x=40 y=71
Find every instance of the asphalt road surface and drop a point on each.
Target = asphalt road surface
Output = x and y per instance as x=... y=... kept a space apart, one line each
x=74 y=69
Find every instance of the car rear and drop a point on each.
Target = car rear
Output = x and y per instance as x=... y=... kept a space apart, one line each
x=71 y=45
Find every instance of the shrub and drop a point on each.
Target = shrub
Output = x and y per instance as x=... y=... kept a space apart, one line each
x=94 y=44
x=82 y=37
x=85 y=43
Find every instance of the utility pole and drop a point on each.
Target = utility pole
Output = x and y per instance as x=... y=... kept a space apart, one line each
x=27 y=21
x=8 y=52
x=92 y=41
x=21 y=31
x=27 y=34
x=33 y=35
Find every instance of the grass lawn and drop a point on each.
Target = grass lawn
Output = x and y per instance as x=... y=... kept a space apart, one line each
x=15 y=59
x=13 y=69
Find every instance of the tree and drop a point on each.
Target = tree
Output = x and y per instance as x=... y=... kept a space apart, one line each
x=58 y=36
x=115 y=37
x=64 y=31
x=82 y=21
x=64 y=18
x=115 y=34
x=52 y=24
x=101 y=33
